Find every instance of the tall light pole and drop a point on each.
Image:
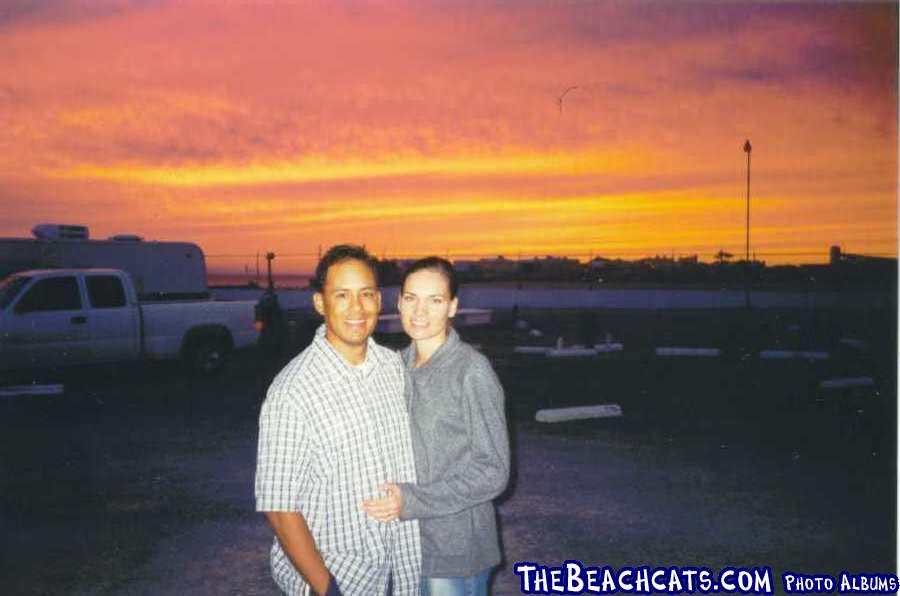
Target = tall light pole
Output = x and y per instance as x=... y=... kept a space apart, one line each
x=747 y=149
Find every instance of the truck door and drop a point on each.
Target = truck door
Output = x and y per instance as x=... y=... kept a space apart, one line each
x=114 y=324
x=50 y=323
x=13 y=353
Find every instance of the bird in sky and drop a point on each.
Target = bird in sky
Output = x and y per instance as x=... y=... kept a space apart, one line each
x=559 y=100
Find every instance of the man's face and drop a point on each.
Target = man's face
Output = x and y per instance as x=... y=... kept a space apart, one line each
x=350 y=303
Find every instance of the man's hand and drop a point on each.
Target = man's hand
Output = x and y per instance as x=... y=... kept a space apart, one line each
x=298 y=544
x=385 y=509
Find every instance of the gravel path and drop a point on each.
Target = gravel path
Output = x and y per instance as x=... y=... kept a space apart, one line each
x=602 y=497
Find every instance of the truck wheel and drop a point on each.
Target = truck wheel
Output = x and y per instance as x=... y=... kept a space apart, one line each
x=207 y=355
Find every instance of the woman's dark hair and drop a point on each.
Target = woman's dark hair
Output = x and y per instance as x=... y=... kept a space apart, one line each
x=442 y=266
x=338 y=254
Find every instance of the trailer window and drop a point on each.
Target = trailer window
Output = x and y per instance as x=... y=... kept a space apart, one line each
x=10 y=288
x=55 y=293
x=105 y=291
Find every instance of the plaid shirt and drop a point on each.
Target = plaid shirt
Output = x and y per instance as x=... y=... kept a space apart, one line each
x=329 y=434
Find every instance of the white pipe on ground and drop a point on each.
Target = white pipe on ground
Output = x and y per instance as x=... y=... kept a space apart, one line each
x=16 y=390
x=848 y=382
x=579 y=413
x=793 y=354
x=571 y=352
x=702 y=352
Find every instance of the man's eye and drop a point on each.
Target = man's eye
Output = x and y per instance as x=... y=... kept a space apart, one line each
x=437 y=300
x=408 y=298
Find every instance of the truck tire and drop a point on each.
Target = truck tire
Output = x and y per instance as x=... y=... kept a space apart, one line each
x=206 y=355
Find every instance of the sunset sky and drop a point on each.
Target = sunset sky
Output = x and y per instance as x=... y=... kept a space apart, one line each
x=420 y=127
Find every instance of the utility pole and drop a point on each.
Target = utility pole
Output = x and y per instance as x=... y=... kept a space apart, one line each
x=747 y=149
x=270 y=256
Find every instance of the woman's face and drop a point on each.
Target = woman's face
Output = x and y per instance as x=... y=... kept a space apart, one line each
x=425 y=305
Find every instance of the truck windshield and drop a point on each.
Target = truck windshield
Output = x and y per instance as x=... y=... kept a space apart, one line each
x=10 y=287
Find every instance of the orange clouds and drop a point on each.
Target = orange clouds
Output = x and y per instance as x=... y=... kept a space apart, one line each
x=414 y=127
x=317 y=169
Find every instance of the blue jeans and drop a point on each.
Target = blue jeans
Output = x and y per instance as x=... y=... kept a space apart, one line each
x=474 y=585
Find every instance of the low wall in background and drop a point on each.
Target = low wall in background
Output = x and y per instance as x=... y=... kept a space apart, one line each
x=580 y=298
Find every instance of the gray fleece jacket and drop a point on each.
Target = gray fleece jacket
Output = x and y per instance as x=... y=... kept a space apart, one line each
x=461 y=449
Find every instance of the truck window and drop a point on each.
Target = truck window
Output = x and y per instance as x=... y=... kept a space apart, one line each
x=105 y=291
x=10 y=288
x=55 y=293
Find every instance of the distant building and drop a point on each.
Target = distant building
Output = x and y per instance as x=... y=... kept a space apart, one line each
x=500 y=265
x=835 y=255
x=839 y=257
x=464 y=266
x=604 y=263
x=550 y=267
x=657 y=262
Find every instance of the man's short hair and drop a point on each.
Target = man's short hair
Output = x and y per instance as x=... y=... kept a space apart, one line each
x=442 y=266
x=338 y=254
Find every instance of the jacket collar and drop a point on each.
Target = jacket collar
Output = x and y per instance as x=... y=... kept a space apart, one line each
x=440 y=357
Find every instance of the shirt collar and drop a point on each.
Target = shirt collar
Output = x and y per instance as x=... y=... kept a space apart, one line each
x=371 y=362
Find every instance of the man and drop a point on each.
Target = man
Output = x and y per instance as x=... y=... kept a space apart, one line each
x=333 y=426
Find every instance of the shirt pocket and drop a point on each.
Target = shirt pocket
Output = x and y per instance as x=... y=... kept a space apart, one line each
x=342 y=425
x=351 y=456
x=336 y=430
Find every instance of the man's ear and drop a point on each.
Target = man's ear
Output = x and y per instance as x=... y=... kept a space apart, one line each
x=453 y=306
x=319 y=303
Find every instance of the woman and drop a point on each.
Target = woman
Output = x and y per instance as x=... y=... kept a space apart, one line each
x=459 y=439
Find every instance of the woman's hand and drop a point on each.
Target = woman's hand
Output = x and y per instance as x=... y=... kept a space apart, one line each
x=387 y=508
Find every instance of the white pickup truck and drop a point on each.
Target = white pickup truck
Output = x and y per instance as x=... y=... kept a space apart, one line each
x=62 y=317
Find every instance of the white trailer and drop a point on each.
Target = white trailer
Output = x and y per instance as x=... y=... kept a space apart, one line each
x=159 y=270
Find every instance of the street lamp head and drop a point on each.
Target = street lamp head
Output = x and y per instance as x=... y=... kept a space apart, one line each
x=747 y=147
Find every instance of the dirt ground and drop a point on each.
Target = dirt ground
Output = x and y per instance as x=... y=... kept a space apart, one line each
x=138 y=480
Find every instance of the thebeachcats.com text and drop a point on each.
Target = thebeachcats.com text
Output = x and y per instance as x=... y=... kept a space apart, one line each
x=574 y=578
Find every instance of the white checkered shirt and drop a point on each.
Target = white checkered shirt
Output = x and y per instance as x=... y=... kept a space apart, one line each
x=329 y=434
